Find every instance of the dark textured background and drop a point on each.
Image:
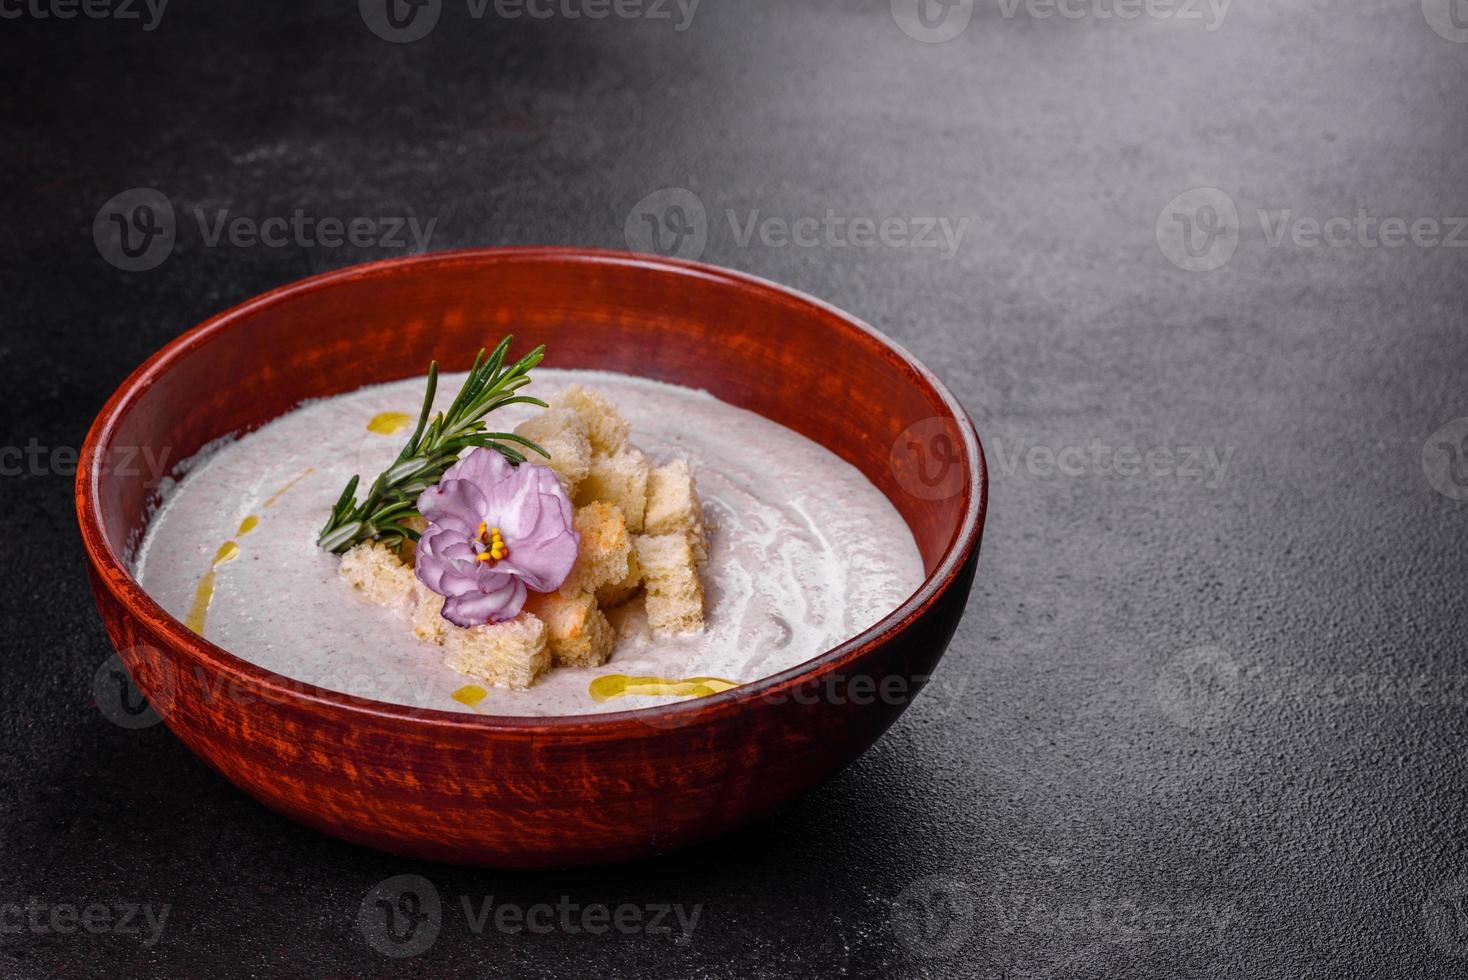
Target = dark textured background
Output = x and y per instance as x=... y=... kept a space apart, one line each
x=1193 y=725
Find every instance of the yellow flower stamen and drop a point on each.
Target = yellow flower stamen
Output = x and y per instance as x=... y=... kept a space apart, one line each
x=497 y=549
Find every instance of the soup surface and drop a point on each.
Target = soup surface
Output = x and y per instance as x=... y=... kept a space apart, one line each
x=803 y=552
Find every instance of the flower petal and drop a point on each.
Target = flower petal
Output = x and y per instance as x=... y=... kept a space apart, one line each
x=453 y=502
x=483 y=467
x=545 y=567
x=481 y=608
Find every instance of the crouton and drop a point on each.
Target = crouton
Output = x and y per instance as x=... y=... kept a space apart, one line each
x=605 y=548
x=674 y=593
x=615 y=593
x=562 y=433
x=672 y=500
x=604 y=424
x=669 y=614
x=428 y=622
x=579 y=634
x=618 y=478
x=378 y=573
x=511 y=654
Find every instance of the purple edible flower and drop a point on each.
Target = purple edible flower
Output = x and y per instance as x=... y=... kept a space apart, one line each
x=494 y=531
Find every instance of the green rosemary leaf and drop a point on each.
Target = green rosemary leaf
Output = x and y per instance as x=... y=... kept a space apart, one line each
x=511 y=437
x=434 y=446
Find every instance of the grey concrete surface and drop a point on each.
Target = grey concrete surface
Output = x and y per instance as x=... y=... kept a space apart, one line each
x=1205 y=714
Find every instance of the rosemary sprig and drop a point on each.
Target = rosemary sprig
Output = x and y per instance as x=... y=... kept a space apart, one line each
x=391 y=502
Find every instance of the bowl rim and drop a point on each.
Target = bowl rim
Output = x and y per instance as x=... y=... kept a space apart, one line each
x=118 y=579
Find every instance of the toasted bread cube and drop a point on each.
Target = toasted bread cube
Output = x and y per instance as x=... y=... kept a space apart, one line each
x=604 y=424
x=618 y=478
x=511 y=654
x=378 y=573
x=428 y=622
x=674 y=593
x=579 y=634
x=667 y=562
x=671 y=614
x=562 y=433
x=615 y=593
x=605 y=548
x=672 y=500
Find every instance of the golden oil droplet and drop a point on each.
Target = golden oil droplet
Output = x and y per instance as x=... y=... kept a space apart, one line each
x=247 y=525
x=609 y=686
x=389 y=423
x=470 y=694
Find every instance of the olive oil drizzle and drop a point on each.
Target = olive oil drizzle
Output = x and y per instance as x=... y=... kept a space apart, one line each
x=609 y=686
x=204 y=594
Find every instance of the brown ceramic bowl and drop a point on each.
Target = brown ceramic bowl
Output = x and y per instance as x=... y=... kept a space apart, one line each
x=558 y=791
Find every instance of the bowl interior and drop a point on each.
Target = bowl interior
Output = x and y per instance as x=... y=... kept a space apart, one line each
x=785 y=356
